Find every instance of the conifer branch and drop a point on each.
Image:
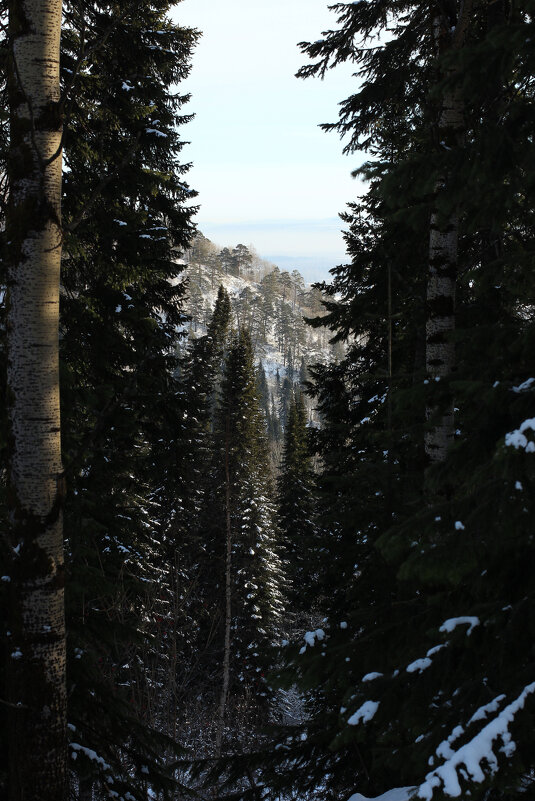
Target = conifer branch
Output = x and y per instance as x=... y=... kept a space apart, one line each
x=84 y=54
x=102 y=184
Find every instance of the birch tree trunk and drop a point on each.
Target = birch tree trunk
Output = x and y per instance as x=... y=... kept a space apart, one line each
x=36 y=672
x=440 y=347
x=443 y=253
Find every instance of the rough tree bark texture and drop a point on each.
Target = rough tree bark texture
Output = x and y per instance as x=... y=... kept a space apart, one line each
x=443 y=252
x=36 y=656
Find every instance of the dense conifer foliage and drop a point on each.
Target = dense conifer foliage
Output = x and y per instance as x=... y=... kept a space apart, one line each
x=124 y=219
x=278 y=592
x=243 y=487
x=421 y=670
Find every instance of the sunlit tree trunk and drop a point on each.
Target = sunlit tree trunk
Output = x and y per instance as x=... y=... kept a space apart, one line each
x=37 y=734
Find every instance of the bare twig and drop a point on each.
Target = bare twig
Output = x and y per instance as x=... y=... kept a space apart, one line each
x=13 y=706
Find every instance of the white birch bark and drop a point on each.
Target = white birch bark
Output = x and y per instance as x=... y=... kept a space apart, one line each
x=440 y=325
x=443 y=258
x=37 y=675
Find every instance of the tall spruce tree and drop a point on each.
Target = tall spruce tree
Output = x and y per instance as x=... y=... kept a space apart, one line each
x=285 y=400
x=297 y=504
x=243 y=514
x=190 y=503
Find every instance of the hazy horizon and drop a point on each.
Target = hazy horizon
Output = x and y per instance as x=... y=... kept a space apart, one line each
x=288 y=234
x=266 y=174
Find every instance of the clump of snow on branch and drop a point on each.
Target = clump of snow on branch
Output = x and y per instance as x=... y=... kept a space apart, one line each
x=419 y=665
x=449 y=625
x=469 y=757
x=311 y=637
x=525 y=385
x=89 y=753
x=364 y=713
x=483 y=711
x=444 y=750
x=371 y=676
x=395 y=794
x=517 y=438
x=467 y=760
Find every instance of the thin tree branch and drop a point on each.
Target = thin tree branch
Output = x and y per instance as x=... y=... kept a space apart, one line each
x=13 y=706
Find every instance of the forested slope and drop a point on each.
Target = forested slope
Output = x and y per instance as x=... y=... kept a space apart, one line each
x=273 y=305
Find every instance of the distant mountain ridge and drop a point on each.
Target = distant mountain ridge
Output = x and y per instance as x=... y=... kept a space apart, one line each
x=272 y=304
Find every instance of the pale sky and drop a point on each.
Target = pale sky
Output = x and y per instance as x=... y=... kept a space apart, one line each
x=265 y=173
